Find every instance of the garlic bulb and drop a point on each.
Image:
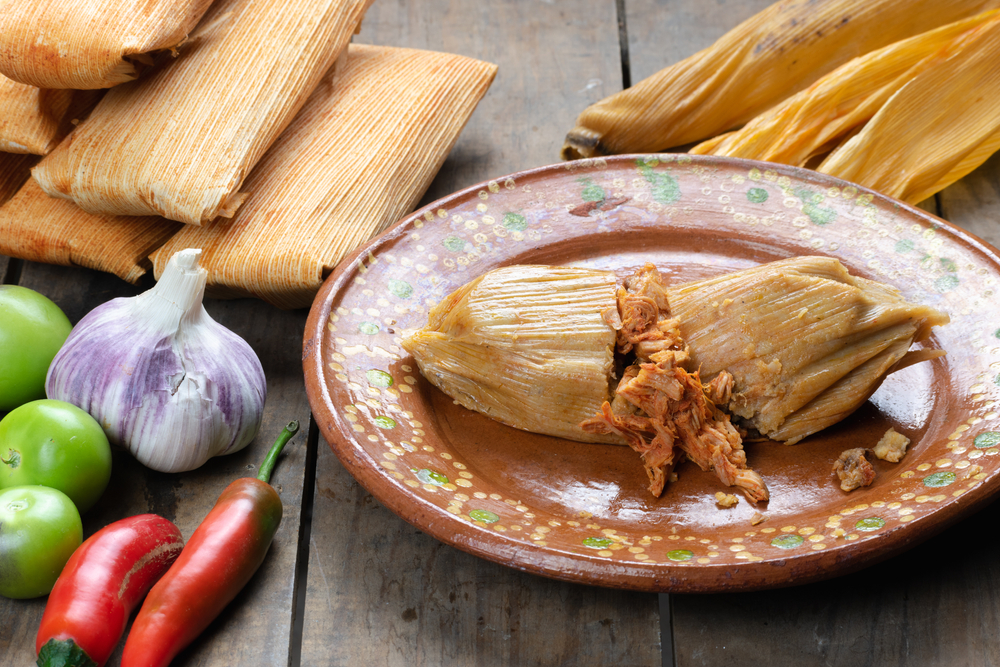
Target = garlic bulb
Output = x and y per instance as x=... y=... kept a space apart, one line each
x=163 y=378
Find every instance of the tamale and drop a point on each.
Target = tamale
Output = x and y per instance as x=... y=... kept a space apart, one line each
x=846 y=98
x=87 y=44
x=525 y=345
x=180 y=141
x=939 y=127
x=15 y=169
x=357 y=158
x=788 y=348
x=31 y=119
x=765 y=59
x=806 y=342
x=40 y=228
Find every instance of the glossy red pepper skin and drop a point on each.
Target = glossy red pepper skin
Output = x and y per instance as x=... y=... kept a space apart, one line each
x=102 y=583
x=219 y=559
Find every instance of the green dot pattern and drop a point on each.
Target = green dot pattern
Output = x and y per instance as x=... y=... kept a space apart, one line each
x=787 y=541
x=597 y=542
x=680 y=555
x=870 y=524
x=400 y=288
x=369 y=328
x=757 y=195
x=377 y=378
x=939 y=479
x=987 y=439
x=485 y=516
x=431 y=477
x=385 y=422
x=514 y=222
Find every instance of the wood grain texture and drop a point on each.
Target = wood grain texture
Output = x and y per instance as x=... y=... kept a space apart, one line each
x=380 y=591
x=255 y=628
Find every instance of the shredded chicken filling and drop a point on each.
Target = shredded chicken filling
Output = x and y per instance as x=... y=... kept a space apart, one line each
x=662 y=409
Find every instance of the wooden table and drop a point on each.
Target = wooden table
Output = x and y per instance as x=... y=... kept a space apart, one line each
x=349 y=583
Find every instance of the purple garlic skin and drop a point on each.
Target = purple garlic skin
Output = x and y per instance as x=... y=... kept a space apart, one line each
x=174 y=388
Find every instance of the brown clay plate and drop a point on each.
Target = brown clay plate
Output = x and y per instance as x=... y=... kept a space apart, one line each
x=581 y=512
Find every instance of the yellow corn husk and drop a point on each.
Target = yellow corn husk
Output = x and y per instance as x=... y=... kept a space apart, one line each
x=805 y=342
x=525 y=345
x=936 y=129
x=803 y=125
x=357 y=158
x=15 y=169
x=87 y=44
x=40 y=228
x=765 y=59
x=32 y=120
x=180 y=141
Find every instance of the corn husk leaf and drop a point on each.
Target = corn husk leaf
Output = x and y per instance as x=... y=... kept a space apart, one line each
x=357 y=158
x=936 y=129
x=805 y=342
x=40 y=228
x=765 y=59
x=15 y=169
x=525 y=345
x=87 y=44
x=803 y=125
x=187 y=135
x=34 y=120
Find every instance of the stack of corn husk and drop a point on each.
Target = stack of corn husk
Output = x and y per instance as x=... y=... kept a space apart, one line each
x=804 y=77
x=262 y=106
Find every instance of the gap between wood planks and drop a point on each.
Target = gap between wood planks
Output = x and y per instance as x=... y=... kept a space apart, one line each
x=302 y=555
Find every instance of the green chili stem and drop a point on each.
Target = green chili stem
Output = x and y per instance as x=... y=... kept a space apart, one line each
x=272 y=456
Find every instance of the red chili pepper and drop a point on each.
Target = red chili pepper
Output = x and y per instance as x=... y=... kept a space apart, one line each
x=102 y=583
x=217 y=562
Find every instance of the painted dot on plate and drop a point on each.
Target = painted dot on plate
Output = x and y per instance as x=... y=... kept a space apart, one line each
x=597 y=542
x=987 y=439
x=378 y=378
x=431 y=477
x=787 y=541
x=385 y=422
x=869 y=524
x=939 y=479
x=485 y=516
x=680 y=555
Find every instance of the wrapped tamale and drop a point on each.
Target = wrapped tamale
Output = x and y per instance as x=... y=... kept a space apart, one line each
x=765 y=59
x=180 y=141
x=807 y=123
x=936 y=129
x=15 y=169
x=784 y=350
x=357 y=158
x=40 y=228
x=33 y=120
x=87 y=44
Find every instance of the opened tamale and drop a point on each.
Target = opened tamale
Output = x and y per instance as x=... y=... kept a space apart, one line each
x=357 y=158
x=805 y=124
x=936 y=129
x=40 y=228
x=180 y=141
x=765 y=59
x=786 y=349
x=87 y=44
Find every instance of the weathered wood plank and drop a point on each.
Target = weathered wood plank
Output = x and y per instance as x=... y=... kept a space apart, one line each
x=380 y=591
x=255 y=627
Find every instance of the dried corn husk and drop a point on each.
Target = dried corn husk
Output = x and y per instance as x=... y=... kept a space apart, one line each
x=187 y=135
x=762 y=61
x=805 y=342
x=34 y=120
x=803 y=125
x=88 y=44
x=525 y=345
x=40 y=228
x=940 y=126
x=357 y=158
x=15 y=169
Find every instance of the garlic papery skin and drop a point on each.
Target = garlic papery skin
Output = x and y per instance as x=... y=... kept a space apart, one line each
x=162 y=377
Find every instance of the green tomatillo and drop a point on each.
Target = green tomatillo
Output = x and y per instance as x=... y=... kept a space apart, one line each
x=40 y=529
x=55 y=444
x=32 y=329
